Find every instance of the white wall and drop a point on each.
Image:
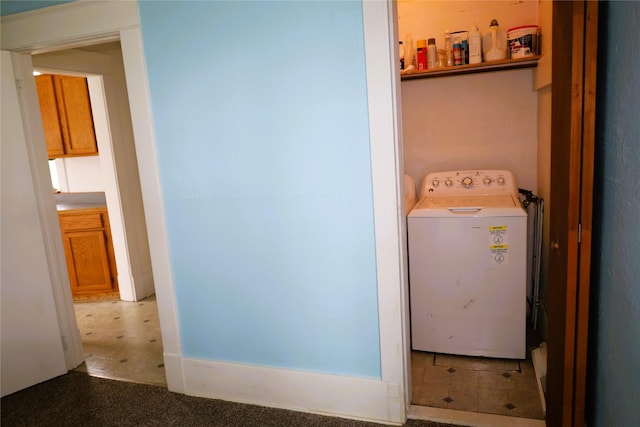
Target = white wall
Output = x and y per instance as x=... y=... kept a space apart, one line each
x=479 y=121
x=79 y=174
x=542 y=83
x=425 y=19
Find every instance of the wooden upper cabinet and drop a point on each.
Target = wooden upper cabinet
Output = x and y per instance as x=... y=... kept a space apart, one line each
x=50 y=117
x=66 y=116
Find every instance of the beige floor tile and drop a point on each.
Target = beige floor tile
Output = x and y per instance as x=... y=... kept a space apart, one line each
x=493 y=401
x=525 y=381
x=488 y=364
x=527 y=404
x=465 y=398
x=122 y=340
x=417 y=382
x=464 y=377
x=467 y=362
x=436 y=375
x=492 y=379
x=433 y=395
x=420 y=359
x=443 y=360
x=483 y=385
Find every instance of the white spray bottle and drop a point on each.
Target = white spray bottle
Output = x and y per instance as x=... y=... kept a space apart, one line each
x=475 y=45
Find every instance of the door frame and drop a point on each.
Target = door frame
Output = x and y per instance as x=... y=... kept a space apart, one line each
x=575 y=46
x=110 y=21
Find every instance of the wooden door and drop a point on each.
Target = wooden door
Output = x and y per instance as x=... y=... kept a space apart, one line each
x=572 y=150
x=76 y=119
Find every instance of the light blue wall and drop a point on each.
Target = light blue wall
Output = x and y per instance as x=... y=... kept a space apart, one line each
x=261 y=122
x=10 y=7
x=614 y=360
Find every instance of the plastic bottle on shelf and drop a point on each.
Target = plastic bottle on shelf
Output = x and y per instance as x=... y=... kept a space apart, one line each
x=464 y=51
x=401 y=54
x=442 y=59
x=457 y=54
x=421 y=54
x=432 y=53
x=409 y=53
x=475 y=45
x=447 y=49
x=494 y=43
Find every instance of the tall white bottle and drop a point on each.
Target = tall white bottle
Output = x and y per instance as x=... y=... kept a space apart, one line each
x=409 y=53
x=475 y=45
x=432 y=53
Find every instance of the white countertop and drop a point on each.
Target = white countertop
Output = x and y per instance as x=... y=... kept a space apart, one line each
x=70 y=201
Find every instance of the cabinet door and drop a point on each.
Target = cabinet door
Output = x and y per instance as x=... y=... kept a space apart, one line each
x=76 y=120
x=88 y=262
x=89 y=252
x=50 y=117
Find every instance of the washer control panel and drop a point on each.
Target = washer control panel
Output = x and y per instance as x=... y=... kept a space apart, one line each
x=468 y=182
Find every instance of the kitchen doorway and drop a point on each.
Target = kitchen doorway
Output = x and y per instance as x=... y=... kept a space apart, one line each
x=120 y=338
x=79 y=27
x=101 y=64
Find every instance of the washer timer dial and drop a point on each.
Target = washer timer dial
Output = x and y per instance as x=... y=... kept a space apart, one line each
x=467 y=182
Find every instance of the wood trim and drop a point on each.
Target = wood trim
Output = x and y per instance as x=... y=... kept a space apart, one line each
x=557 y=395
x=586 y=208
x=573 y=248
x=573 y=127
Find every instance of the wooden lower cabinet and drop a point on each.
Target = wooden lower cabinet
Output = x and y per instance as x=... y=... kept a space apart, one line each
x=89 y=252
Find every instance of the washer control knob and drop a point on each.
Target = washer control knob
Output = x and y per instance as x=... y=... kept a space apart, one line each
x=500 y=180
x=467 y=182
x=435 y=183
x=487 y=181
x=448 y=182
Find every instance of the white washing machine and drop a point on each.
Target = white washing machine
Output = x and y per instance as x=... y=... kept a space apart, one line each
x=467 y=265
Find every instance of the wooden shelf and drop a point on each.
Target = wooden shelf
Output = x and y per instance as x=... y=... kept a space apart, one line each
x=485 y=67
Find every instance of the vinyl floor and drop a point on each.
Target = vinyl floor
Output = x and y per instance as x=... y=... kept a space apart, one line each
x=121 y=340
x=476 y=384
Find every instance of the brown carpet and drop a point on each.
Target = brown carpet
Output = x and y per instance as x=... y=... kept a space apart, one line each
x=76 y=399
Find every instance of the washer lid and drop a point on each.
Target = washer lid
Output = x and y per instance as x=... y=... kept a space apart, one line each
x=479 y=202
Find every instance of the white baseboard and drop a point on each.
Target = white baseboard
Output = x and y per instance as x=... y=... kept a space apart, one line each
x=325 y=394
x=173 y=371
